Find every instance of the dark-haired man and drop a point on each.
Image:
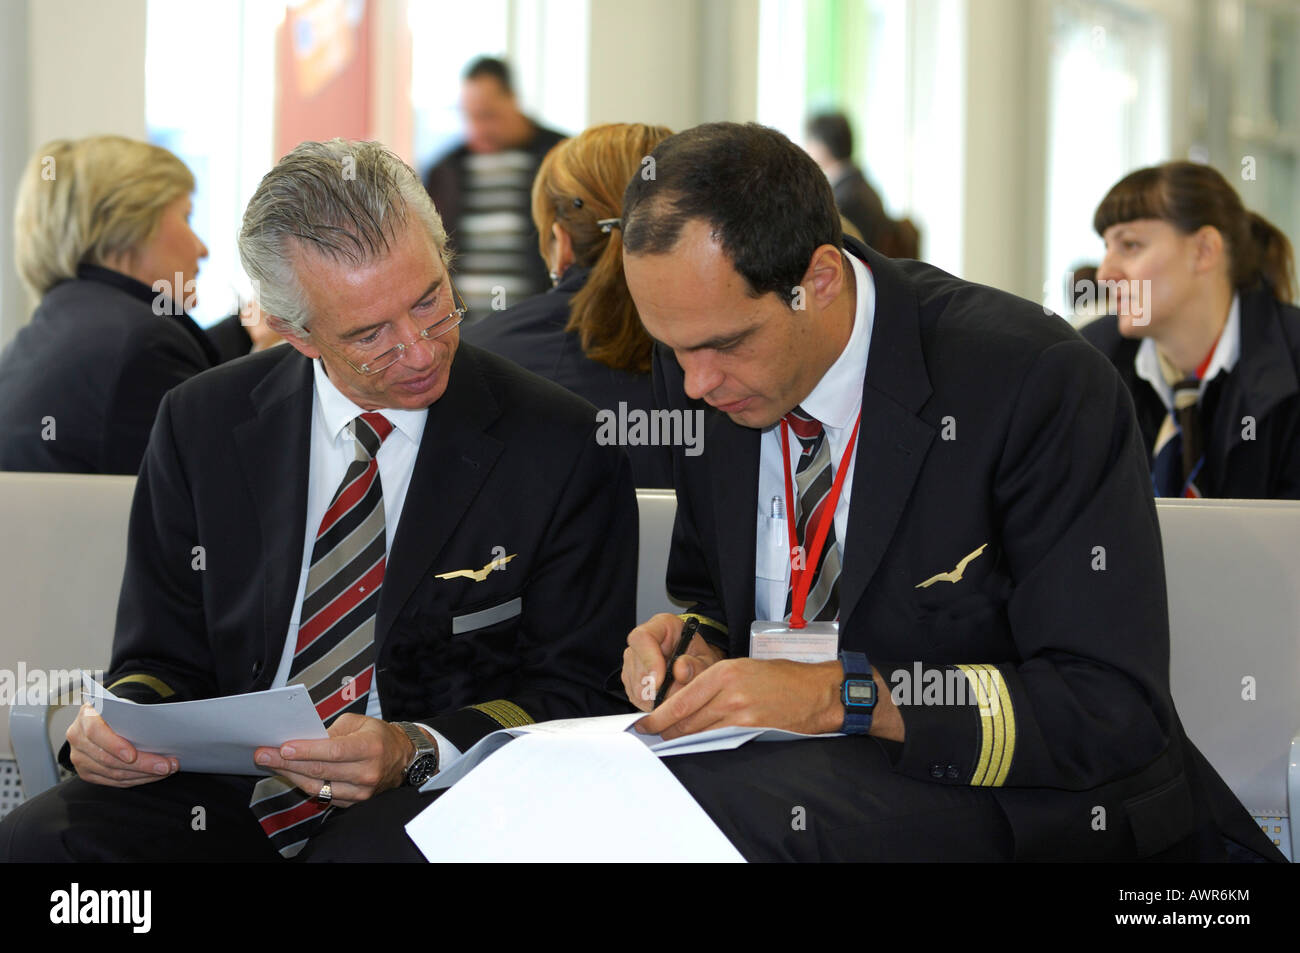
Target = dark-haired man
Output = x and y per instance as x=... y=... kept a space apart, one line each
x=921 y=518
x=830 y=143
x=483 y=190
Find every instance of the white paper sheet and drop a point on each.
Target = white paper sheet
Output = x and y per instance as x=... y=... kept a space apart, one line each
x=213 y=735
x=593 y=796
x=719 y=739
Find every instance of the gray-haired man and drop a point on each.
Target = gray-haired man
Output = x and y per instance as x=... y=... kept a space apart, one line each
x=425 y=536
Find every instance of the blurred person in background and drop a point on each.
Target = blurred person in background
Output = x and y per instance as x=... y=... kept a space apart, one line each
x=481 y=189
x=830 y=142
x=1204 y=332
x=585 y=332
x=103 y=238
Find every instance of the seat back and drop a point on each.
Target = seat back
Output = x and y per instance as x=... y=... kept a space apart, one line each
x=61 y=558
x=657 y=509
x=1233 y=575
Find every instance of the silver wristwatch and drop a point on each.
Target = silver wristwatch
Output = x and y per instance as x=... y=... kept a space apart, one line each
x=425 y=763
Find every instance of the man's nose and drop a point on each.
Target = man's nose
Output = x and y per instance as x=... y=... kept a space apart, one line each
x=701 y=378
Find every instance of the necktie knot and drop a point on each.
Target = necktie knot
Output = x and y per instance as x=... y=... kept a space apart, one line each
x=805 y=426
x=1186 y=393
x=370 y=430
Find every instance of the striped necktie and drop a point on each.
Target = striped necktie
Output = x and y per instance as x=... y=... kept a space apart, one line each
x=334 y=656
x=813 y=479
x=1179 y=453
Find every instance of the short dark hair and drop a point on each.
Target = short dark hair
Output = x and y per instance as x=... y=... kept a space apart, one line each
x=834 y=132
x=769 y=205
x=493 y=67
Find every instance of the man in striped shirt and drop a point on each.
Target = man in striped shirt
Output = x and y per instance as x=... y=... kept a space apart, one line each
x=483 y=188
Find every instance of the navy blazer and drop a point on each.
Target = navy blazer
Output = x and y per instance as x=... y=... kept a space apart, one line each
x=1242 y=462
x=987 y=424
x=533 y=335
x=81 y=382
x=508 y=462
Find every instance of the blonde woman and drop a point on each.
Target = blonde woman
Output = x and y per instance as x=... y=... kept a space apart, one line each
x=585 y=333
x=103 y=240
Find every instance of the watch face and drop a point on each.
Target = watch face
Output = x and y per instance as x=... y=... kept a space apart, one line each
x=421 y=770
x=860 y=693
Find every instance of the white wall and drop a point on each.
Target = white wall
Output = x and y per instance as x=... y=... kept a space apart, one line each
x=645 y=62
x=1004 y=128
x=68 y=68
x=86 y=68
x=14 y=303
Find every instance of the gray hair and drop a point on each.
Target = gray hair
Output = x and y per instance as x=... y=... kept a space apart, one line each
x=343 y=200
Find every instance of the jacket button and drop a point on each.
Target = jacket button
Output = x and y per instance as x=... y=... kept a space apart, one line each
x=936 y=771
x=257 y=668
x=953 y=773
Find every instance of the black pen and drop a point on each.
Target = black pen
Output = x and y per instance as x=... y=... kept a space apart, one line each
x=688 y=632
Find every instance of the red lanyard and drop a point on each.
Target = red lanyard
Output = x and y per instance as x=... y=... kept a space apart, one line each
x=801 y=579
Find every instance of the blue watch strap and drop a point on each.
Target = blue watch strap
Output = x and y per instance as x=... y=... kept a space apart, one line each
x=857 y=692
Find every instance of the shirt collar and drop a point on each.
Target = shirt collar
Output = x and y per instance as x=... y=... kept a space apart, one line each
x=1226 y=352
x=338 y=411
x=838 y=395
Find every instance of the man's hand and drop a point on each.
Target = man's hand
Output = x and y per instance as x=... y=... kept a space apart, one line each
x=102 y=756
x=361 y=757
x=770 y=693
x=645 y=660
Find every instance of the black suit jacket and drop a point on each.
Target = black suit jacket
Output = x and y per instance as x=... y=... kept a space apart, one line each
x=81 y=382
x=1241 y=463
x=986 y=422
x=533 y=335
x=861 y=205
x=507 y=460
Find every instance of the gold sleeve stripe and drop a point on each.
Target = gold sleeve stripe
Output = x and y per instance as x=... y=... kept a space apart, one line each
x=1009 y=719
x=505 y=713
x=997 y=724
x=157 y=684
x=986 y=726
x=989 y=678
x=704 y=620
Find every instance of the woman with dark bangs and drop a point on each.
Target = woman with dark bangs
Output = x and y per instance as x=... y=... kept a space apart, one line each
x=1203 y=332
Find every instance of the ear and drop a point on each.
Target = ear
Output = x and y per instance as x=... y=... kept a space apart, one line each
x=299 y=341
x=824 y=279
x=1208 y=249
x=562 y=249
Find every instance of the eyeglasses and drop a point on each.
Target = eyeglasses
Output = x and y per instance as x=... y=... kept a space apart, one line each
x=379 y=355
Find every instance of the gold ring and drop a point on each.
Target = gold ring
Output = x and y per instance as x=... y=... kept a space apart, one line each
x=324 y=795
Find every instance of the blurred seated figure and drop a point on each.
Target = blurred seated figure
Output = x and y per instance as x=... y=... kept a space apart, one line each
x=1085 y=299
x=481 y=191
x=585 y=333
x=102 y=238
x=830 y=143
x=1203 y=332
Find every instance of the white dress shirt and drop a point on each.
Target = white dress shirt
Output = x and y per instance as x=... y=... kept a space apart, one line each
x=332 y=452
x=835 y=402
x=1146 y=364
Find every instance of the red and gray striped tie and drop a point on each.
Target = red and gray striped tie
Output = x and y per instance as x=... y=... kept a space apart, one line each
x=335 y=653
x=813 y=479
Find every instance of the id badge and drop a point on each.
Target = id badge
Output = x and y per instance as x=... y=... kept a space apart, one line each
x=815 y=642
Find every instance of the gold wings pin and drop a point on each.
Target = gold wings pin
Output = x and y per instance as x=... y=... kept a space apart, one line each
x=478 y=575
x=956 y=574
